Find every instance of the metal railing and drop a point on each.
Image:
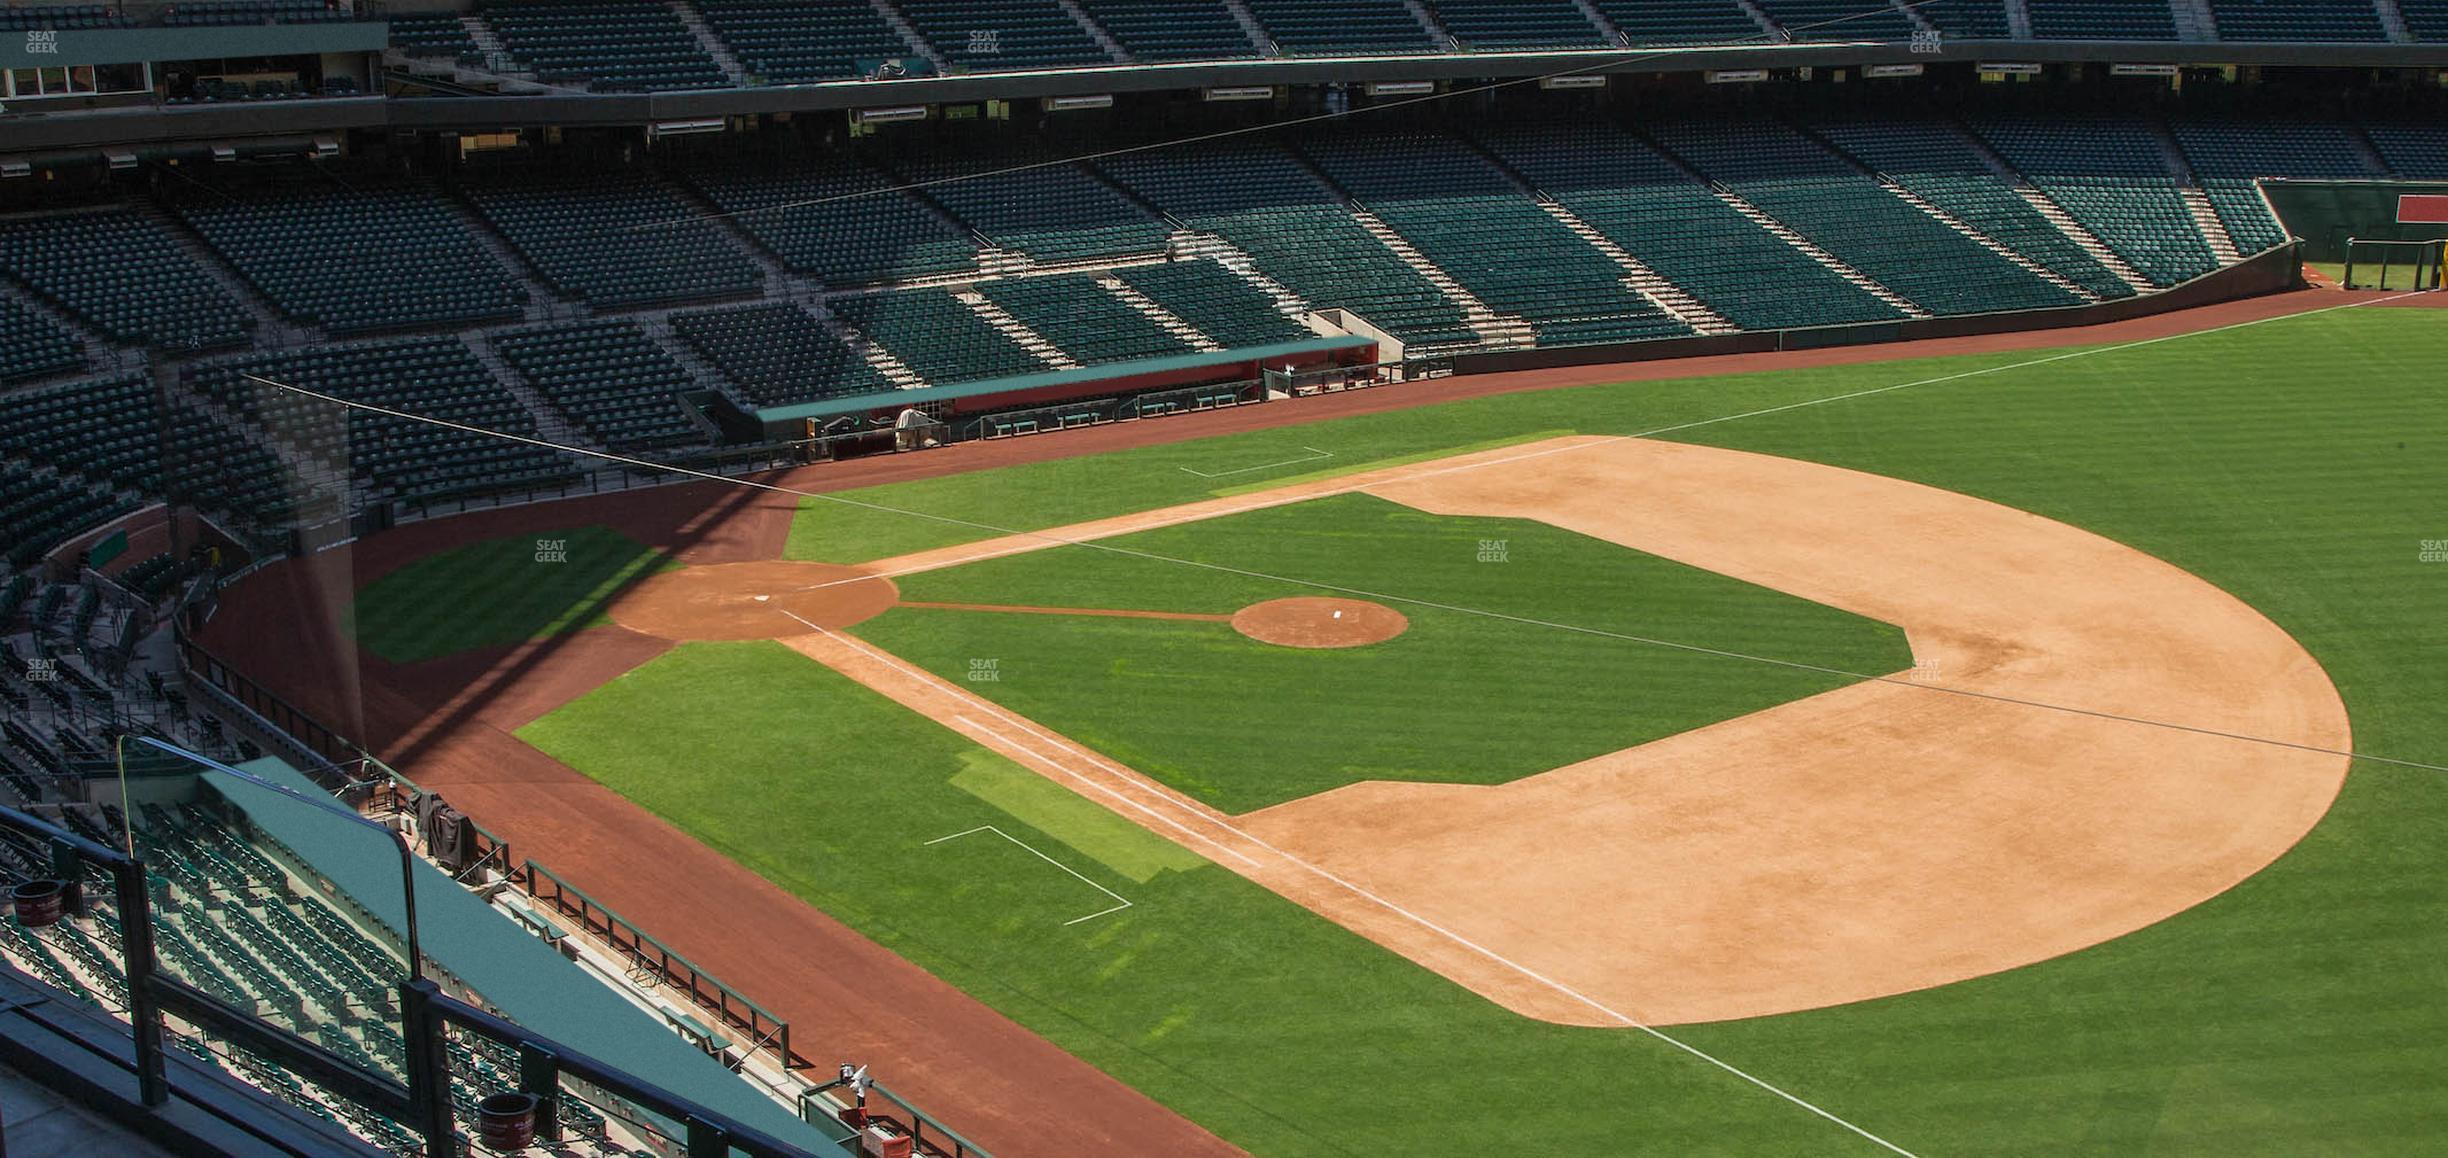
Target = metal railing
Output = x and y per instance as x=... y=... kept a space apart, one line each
x=761 y=1027
x=424 y=1103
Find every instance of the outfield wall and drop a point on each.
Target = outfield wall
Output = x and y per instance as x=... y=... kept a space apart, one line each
x=2325 y=213
x=2269 y=272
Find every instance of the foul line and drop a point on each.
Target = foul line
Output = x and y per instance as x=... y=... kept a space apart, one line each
x=1314 y=455
x=1124 y=901
x=1124 y=776
x=949 y=520
x=1049 y=761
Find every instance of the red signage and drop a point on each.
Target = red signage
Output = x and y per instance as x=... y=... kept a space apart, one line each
x=2422 y=208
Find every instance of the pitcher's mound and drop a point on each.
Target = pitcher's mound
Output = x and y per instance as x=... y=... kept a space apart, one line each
x=1310 y=621
x=764 y=600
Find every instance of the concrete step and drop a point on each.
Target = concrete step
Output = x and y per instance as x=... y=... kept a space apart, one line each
x=1493 y=327
x=1643 y=280
x=552 y=425
x=884 y=361
x=543 y=303
x=712 y=44
x=2392 y=20
x=272 y=328
x=1095 y=31
x=2369 y=152
x=1758 y=15
x=1257 y=33
x=497 y=58
x=2018 y=19
x=2082 y=236
x=2193 y=20
x=918 y=45
x=1436 y=29
x=1823 y=257
x=2222 y=245
x=1171 y=322
x=703 y=373
x=1030 y=340
x=1989 y=243
x=1605 y=26
x=1190 y=243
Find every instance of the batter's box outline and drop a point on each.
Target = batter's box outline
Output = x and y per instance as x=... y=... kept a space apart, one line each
x=1122 y=902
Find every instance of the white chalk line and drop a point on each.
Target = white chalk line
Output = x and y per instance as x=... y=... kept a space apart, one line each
x=1124 y=776
x=1059 y=540
x=1124 y=901
x=896 y=664
x=1314 y=455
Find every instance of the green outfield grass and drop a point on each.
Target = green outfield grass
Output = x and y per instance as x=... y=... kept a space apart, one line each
x=499 y=591
x=2300 y=464
x=1458 y=698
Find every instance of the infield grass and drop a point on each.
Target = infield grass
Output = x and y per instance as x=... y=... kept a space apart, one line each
x=1479 y=697
x=2300 y=464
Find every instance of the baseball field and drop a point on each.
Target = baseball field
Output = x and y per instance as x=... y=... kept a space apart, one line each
x=2025 y=752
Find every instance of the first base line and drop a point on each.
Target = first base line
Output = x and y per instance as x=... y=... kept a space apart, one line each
x=1124 y=901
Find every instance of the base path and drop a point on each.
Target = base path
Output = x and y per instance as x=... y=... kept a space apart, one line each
x=1884 y=837
x=745 y=600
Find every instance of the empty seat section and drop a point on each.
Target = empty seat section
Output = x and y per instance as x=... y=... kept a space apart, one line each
x=1082 y=318
x=1342 y=27
x=1463 y=215
x=2102 y=20
x=1259 y=199
x=39 y=511
x=1682 y=21
x=1222 y=304
x=1503 y=24
x=833 y=219
x=123 y=275
x=1934 y=161
x=432 y=34
x=1817 y=195
x=983 y=35
x=2323 y=20
x=801 y=41
x=31 y=347
x=391 y=457
x=777 y=355
x=609 y=377
x=111 y=431
x=357 y=255
x=937 y=335
x=1162 y=30
x=1038 y=203
x=2227 y=155
x=2111 y=176
x=1618 y=185
x=201 y=13
x=107 y=430
x=605 y=45
x=2417 y=149
x=1969 y=19
x=613 y=238
x=2427 y=20
x=63 y=16
x=1838 y=20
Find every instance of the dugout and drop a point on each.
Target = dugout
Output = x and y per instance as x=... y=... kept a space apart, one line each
x=1054 y=399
